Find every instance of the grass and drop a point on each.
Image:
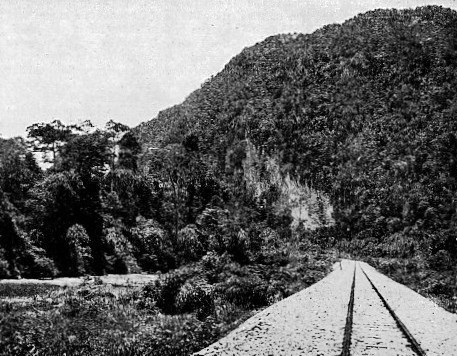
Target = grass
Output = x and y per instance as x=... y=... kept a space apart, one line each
x=183 y=312
x=24 y=290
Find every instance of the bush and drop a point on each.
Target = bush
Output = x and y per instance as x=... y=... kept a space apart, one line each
x=35 y=264
x=440 y=287
x=43 y=267
x=390 y=266
x=271 y=252
x=440 y=261
x=195 y=295
x=213 y=223
x=281 y=222
x=152 y=246
x=4 y=265
x=248 y=292
x=191 y=244
x=145 y=299
x=212 y=219
x=122 y=259
x=161 y=294
x=80 y=258
x=182 y=291
x=237 y=245
x=443 y=240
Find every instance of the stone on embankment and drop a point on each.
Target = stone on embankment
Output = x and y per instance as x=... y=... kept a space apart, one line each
x=310 y=322
x=434 y=328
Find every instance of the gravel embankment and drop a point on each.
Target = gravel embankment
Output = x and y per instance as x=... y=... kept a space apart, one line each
x=434 y=328
x=374 y=330
x=310 y=322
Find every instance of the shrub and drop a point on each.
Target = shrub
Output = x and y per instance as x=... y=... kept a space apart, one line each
x=182 y=291
x=35 y=264
x=237 y=245
x=191 y=245
x=281 y=222
x=80 y=258
x=145 y=299
x=438 y=287
x=122 y=259
x=163 y=292
x=390 y=266
x=213 y=265
x=195 y=295
x=167 y=292
x=440 y=261
x=212 y=222
x=248 y=292
x=4 y=265
x=443 y=240
x=152 y=246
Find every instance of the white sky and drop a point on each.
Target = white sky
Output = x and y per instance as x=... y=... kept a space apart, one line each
x=127 y=60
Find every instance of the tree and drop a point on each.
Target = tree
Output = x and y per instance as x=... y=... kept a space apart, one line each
x=18 y=170
x=49 y=138
x=127 y=194
x=188 y=182
x=80 y=257
x=114 y=132
x=60 y=201
x=167 y=166
x=121 y=257
x=129 y=150
x=152 y=246
x=86 y=154
x=11 y=242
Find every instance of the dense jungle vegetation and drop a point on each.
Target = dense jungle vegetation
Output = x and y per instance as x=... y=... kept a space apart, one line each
x=95 y=211
x=364 y=112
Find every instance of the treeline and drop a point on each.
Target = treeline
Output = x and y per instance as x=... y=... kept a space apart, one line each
x=94 y=210
x=364 y=111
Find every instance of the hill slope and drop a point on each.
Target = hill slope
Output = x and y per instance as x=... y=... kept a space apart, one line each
x=364 y=112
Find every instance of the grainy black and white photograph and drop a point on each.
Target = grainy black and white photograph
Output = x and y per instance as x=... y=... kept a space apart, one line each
x=228 y=177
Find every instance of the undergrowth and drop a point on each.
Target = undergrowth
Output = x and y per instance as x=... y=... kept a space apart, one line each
x=181 y=313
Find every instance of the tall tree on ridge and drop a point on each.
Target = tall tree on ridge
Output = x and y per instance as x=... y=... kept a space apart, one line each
x=114 y=132
x=49 y=138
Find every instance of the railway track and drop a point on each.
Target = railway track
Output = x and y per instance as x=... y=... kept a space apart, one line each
x=354 y=311
x=372 y=327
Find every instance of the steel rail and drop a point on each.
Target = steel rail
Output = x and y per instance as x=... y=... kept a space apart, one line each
x=414 y=344
x=349 y=320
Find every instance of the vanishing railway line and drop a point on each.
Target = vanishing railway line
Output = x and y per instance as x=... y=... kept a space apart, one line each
x=354 y=311
x=372 y=327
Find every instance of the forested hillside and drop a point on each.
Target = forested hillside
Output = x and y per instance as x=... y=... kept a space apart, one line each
x=364 y=112
x=361 y=114
x=354 y=125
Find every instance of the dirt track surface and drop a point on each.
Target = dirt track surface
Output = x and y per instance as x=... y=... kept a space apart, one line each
x=315 y=320
x=113 y=279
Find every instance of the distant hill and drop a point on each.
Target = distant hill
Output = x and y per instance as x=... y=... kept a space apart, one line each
x=364 y=112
